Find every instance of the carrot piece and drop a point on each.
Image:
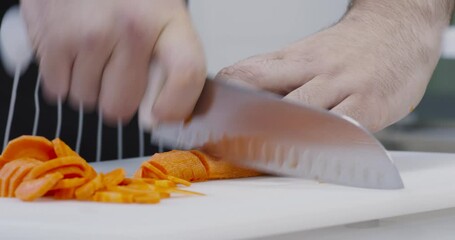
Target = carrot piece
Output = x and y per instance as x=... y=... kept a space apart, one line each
x=17 y=178
x=152 y=197
x=64 y=194
x=56 y=163
x=154 y=170
x=62 y=149
x=29 y=147
x=164 y=183
x=112 y=197
x=2 y=161
x=130 y=190
x=69 y=171
x=186 y=192
x=177 y=180
x=8 y=171
x=114 y=177
x=138 y=174
x=5 y=175
x=181 y=164
x=70 y=183
x=218 y=169
x=33 y=189
x=87 y=190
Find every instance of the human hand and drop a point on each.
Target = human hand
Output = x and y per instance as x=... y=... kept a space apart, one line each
x=99 y=52
x=372 y=67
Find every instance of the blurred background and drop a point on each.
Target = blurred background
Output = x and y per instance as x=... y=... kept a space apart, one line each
x=236 y=29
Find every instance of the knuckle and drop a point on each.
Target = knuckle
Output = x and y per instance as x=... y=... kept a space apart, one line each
x=94 y=39
x=134 y=29
x=247 y=72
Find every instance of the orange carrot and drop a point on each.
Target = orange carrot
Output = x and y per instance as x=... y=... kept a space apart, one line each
x=29 y=147
x=54 y=164
x=70 y=183
x=86 y=191
x=33 y=189
x=61 y=149
x=114 y=177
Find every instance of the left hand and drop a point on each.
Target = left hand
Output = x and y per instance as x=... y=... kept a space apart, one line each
x=355 y=68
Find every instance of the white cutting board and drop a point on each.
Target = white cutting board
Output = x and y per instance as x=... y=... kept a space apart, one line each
x=234 y=209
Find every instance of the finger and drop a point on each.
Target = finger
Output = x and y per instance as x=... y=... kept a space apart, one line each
x=277 y=72
x=125 y=75
x=363 y=110
x=321 y=91
x=181 y=54
x=154 y=85
x=88 y=70
x=56 y=62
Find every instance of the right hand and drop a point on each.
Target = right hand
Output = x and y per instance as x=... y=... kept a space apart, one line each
x=97 y=53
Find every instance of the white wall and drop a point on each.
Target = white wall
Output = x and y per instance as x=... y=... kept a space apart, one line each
x=235 y=29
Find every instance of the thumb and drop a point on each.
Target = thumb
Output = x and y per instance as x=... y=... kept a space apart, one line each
x=275 y=72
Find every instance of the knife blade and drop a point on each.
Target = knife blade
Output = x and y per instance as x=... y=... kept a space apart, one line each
x=258 y=130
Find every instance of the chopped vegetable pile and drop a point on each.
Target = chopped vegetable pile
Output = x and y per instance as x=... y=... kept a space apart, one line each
x=32 y=167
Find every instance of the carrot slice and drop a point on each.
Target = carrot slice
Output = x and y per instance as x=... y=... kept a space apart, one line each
x=33 y=189
x=138 y=174
x=64 y=194
x=56 y=163
x=29 y=147
x=157 y=172
x=70 y=183
x=147 y=198
x=7 y=172
x=112 y=197
x=130 y=190
x=218 y=169
x=114 y=177
x=177 y=180
x=2 y=162
x=62 y=149
x=19 y=175
x=87 y=190
x=181 y=164
x=69 y=171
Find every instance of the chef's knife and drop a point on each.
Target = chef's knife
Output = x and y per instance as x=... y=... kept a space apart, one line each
x=258 y=130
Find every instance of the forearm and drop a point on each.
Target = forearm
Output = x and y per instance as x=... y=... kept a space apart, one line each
x=405 y=28
x=427 y=12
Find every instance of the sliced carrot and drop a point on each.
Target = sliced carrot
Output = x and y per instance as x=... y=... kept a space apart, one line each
x=129 y=190
x=56 y=163
x=66 y=193
x=29 y=147
x=164 y=183
x=114 y=177
x=69 y=171
x=181 y=164
x=33 y=189
x=152 y=197
x=177 y=180
x=112 y=197
x=19 y=175
x=218 y=169
x=127 y=181
x=62 y=149
x=8 y=171
x=87 y=190
x=138 y=174
x=70 y=183
x=2 y=161
x=154 y=170
x=186 y=192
